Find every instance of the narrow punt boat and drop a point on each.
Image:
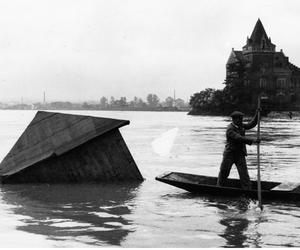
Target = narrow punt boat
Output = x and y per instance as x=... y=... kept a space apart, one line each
x=201 y=184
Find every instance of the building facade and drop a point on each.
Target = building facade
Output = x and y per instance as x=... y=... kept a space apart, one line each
x=259 y=68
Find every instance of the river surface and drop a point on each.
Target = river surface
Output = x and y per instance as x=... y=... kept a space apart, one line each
x=154 y=214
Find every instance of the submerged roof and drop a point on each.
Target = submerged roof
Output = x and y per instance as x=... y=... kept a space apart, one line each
x=51 y=134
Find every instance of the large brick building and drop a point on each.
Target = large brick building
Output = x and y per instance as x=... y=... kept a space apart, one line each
x=260 y=68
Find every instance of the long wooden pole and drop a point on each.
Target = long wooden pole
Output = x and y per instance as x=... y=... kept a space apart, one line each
x=258 y=155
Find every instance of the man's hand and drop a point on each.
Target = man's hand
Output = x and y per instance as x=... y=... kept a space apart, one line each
x=256 y=141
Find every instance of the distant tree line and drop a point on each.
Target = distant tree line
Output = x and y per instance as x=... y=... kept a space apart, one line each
x=152 y=103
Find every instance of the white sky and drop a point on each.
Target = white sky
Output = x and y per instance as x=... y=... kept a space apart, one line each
x=79 y=50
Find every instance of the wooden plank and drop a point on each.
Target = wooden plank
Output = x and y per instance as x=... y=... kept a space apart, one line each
x=286 y=186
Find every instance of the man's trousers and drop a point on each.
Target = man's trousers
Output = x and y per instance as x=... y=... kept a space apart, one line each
x=230 y=158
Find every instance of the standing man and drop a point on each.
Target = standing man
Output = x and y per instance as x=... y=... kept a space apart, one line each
x=235 y=150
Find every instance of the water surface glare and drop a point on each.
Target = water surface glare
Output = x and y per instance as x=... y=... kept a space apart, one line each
x=153 y=214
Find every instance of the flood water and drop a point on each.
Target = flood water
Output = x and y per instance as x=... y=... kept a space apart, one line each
x=154 y=214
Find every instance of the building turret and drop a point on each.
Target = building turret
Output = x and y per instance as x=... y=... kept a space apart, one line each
x=259 y=40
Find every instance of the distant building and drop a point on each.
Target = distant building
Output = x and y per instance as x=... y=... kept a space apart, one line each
x=260 y=68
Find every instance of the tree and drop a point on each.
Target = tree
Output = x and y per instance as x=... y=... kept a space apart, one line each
x=137 y=103
x=141 y=103
x=152 y=100
x=237 y=95
x=202 y=100
x=112 y=101
x=123 y=102
x=85 y=106
x=103 y=102
x=169 y=102
x=179 y=103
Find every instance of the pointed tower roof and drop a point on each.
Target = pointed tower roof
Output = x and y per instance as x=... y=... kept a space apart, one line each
x=52 y=134
x=258 y=32
x=259 y=40
x=235 y=56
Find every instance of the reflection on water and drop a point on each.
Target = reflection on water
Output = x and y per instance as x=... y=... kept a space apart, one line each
x=246 y=226
x=93 y=214
x=237 y=222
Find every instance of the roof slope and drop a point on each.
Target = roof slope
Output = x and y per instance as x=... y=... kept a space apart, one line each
x=294 y=68
x=51 y=134
x=235 y=56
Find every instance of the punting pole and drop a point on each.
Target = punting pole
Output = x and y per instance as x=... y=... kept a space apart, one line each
x=258 y=155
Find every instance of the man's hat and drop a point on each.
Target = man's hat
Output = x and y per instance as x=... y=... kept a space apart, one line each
x=237 y=114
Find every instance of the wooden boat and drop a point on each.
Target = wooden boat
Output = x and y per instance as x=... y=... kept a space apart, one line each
x=201 y=184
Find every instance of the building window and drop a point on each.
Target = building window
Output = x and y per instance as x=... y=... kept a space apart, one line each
x=293 y=98
x=281 y=82
x=263 y=46
x=297 y=83
x=293 y=83
x=262 y=83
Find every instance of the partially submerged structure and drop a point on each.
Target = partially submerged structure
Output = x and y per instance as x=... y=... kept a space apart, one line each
x=57 y=147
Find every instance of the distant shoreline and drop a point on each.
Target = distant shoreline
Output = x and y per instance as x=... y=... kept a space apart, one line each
x=139 y=110
x=272 y=114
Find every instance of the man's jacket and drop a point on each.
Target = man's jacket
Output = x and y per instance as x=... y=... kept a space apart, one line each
x=235 y=137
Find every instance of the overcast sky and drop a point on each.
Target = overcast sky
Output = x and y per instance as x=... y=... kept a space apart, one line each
x=80 y=50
